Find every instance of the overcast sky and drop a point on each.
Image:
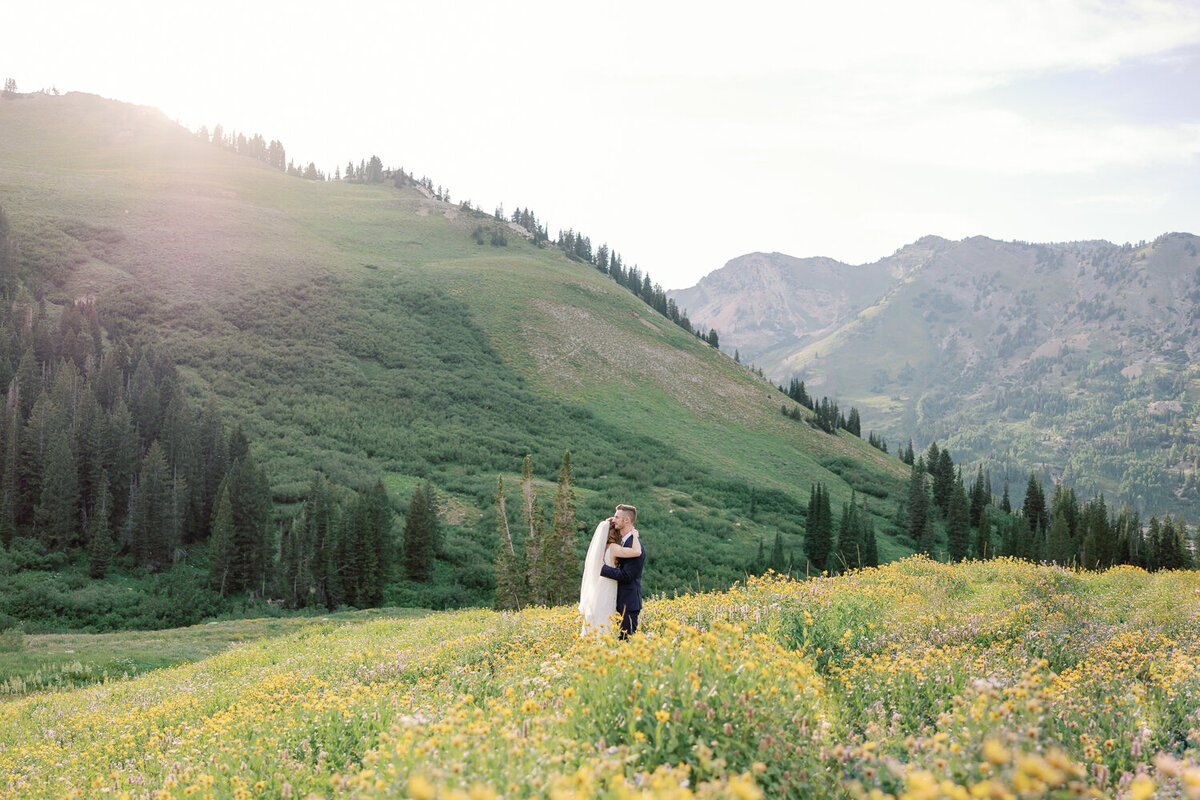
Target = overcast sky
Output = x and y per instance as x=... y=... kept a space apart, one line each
x=685 y=135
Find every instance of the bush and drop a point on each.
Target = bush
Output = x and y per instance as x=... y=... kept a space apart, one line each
x=29 y=554
x=12 y=641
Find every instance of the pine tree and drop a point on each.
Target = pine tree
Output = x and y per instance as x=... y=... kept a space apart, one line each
x=854 y=422
x=143 y=400
x=1065 y=503
x=1099 y=539
x=777 y=562
x=818 y=535
x=564 y=573
x=29 y=381
x=983 y=538
x=958 y=523
x=311 y=549
x=919 y=525
x=364 y=547
x=510 y=575
x=422 y=533
x=1059 y=547
x=212 y=459
x=220 y=543
x=1008 y=535
x=352 y=557
x=846 y=555
x=151 y=543
x=123 y=452
x=57 y=514
x=942 y=485
x=870 y=543
x=295 y=563
x=1153 y=544
x=35 y=444
x=1034 y=508
x=89 y=448
x=9 y=469
x=250 y=498
x=1185 y=559
x=380 y=521
x=1005 y=503
x=1131 y=547
x=979 y=498
x=535 y=561
x=1171 y=544
x=99 y=537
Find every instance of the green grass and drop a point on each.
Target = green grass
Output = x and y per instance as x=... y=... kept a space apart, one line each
x=59 y=661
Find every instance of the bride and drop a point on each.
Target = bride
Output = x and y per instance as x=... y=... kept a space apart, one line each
x=598 y=595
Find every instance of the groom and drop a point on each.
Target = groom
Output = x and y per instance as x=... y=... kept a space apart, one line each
x=629 y=575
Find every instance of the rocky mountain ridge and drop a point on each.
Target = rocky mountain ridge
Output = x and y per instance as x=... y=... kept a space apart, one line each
x=1049 y=357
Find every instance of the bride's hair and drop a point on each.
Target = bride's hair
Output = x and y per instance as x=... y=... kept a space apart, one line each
x=614 y=537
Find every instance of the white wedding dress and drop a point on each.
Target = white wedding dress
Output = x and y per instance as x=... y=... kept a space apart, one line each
x=597 y=594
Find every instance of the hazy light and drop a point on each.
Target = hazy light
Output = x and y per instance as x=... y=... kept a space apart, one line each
x=682 y=136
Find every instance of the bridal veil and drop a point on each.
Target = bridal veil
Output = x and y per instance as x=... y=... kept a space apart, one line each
x=592 y=563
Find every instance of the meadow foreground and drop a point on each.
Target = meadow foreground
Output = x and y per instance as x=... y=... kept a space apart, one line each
x=917 y=679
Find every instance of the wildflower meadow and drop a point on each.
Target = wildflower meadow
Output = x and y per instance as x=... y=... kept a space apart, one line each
x=997 y=679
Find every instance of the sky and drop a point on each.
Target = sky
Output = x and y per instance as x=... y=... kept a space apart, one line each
x=687 y=134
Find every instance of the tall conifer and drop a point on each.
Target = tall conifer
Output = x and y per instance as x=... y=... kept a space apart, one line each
x=1034 y=507
x=99 y=536
x=250 y=498
x=958 y=523
x=919 y=525
x=846 y=554
x=942 y=481
x=57 y=515
x=422 y=533
x=983 y=548
x=531 y=512
x=563 y=568
x=220 y=542
x=1059 y=547
x=9 y=486
x=980 y=497
x=510 y=575
x=818 y=534
x=151 y=544
x=777 y=562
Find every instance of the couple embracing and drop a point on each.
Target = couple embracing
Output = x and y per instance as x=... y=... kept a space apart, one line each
x=612 y=574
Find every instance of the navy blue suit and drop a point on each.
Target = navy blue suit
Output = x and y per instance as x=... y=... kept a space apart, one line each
x=629 y=587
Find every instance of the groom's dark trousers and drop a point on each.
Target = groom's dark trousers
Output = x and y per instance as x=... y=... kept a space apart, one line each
x=629 y=588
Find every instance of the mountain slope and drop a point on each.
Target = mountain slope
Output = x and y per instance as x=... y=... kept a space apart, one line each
x=358 y=331
x=1071 y=359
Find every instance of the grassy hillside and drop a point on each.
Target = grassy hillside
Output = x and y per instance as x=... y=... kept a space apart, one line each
x=359 y=331
x=985 y=679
